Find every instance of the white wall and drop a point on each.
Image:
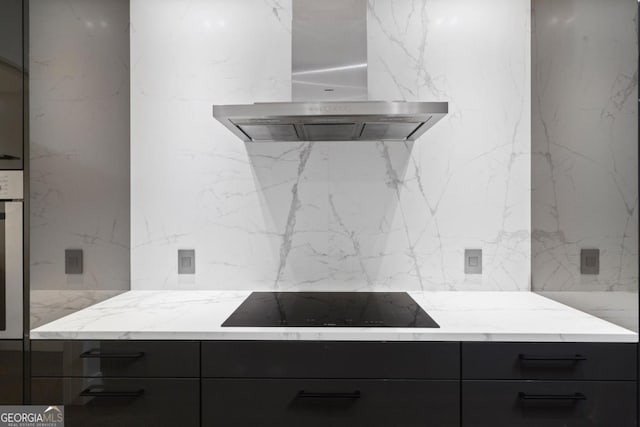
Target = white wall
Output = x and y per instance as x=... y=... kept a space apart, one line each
x=79 y=125
x=585 y=143
x=330 y=215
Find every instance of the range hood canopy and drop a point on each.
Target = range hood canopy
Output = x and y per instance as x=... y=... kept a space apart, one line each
x=330 y=121
x=329 y=87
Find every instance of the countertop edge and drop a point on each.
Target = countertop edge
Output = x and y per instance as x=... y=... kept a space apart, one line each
x=295 y=336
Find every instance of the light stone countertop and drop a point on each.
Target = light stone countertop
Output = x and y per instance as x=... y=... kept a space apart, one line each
x=462 y=316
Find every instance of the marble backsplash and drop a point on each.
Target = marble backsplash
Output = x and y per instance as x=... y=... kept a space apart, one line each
x=334 y=215
x=584 y=143
x=79 y=149
x=330 y=215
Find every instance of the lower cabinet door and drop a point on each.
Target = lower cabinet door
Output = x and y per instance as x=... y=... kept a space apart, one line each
x=549 y=404
x=121 y=402
x=10 y=372
x=328 y=403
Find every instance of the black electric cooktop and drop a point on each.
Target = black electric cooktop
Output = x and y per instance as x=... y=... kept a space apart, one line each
x=331 y=309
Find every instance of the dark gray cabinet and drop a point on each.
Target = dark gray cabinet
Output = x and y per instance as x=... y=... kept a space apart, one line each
x=11 y=372
x=335 y=384
x=124 y=359
x=330 y=383
x=335 y=403
x=331 y=359
x=549 y=361
x=109 y=402
x=549 y=385
x=119 y=383
x=549 y=403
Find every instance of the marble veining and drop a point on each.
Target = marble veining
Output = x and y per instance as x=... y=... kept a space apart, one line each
x=584 y=144
x=49 y=305
x=618 y=307
x=462 y=316
x=79 y=150
x=340 y=216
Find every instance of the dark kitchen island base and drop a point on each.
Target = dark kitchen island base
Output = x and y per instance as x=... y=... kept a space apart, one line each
x=330 y=383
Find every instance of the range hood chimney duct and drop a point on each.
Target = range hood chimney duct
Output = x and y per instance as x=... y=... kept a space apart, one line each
x=329 y=50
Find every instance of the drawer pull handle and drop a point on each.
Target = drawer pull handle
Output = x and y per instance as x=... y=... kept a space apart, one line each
x=575 y=358
x=330 y=395
x=97 y=354
x=563 y=397
x=100 y=392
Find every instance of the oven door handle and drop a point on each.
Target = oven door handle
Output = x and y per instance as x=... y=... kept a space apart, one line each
x=3 y=268
x=11 y=268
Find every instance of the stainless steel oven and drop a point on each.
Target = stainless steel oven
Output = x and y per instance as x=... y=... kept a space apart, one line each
x=11 y=259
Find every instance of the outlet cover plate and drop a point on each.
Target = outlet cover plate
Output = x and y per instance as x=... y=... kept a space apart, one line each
x=186 y=261
x=73 y=261
x=473 y=261
x=590 y=261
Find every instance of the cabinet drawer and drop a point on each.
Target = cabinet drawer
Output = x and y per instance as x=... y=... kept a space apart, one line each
x=555 y=361
x=322 y=359
x=115 y=359
x=110 y=402
x=10 y=372
x=335 y=403
x=548 y=403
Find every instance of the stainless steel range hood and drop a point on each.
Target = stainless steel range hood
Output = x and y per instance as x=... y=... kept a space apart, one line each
x=330 y=121
x=329 y=87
